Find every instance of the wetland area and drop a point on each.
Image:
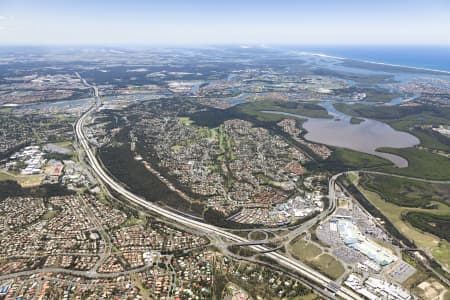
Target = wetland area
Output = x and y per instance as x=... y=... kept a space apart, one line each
x=367 y=136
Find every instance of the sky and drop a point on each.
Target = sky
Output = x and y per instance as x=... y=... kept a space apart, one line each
x=207 y=22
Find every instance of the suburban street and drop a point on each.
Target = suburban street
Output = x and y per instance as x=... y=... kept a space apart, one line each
x=233 y=150
x=284 y=261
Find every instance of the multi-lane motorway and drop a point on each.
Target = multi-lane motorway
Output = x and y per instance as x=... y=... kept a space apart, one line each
x=292 y=264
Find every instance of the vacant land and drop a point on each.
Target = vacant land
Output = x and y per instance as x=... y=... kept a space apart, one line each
x=432 y=289
x=5 y=110
x=303 y=250
x=307 y=297
x=406 y=192
x=242 y=250
x=438 y=225
x=50 y=214
x=10 y=188
x=23 y=180
x=6 y=176
x=185 y=120
x=314 y=256
x=64 y=144
x=329 y=265
x=258 y=235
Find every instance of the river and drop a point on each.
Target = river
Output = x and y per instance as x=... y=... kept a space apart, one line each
x=366 y=136
x=58 y=104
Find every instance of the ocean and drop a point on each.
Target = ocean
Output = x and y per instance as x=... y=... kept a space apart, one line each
x=428 y=57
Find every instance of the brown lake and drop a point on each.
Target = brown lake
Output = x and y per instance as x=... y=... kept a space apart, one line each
x=366 y=136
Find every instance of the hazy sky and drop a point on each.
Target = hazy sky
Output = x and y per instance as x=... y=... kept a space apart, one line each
x=225 y=21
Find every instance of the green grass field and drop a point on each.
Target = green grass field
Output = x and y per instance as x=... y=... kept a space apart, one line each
x=307 y=297
x=304 y=250
x=185 y=121
x=133 y=220
x=257 y=235
x=5 y=176
x=50 y=214
x=6 y=110
x=64 y=144
x=314 y=256
x=421 y=164
x=438 y=225
x=354 y=120
x=23 y=180
x=328 y=265
x=348 y=159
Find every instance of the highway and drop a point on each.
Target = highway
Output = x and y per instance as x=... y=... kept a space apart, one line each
x=93 y=275
x=284 y=261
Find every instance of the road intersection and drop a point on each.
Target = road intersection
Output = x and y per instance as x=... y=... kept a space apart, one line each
x=207 y=229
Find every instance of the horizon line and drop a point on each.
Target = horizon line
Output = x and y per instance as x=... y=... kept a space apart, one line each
x=236 y=44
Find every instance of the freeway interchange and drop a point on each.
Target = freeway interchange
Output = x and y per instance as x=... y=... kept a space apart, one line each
x=325 y=283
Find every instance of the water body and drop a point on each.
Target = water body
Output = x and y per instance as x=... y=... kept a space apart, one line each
x=81 y=102
x=197 y=87
x=364 y=137
x=59 y=104
x=401 y=100
x=237 y=101
x=428 y=57
x=231 y=76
